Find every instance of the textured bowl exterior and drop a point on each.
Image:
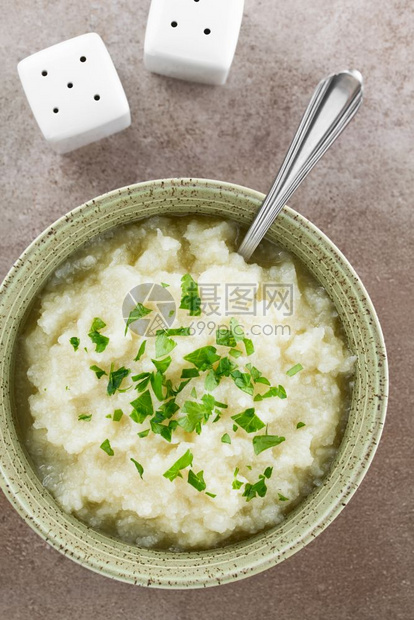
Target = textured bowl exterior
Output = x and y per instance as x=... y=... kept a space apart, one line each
x=112 y=557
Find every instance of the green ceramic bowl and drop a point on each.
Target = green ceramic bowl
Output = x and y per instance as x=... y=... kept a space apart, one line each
x=195 y=569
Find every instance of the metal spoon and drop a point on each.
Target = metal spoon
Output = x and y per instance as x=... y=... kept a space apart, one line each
x=334 y=103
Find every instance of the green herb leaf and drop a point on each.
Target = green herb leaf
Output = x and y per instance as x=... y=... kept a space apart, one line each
x=211 y=494
x=203 y=358
x=136 y=313
x=274 y=391
x=162 y=365
x=145 y=433
x=225 y=367
x=142 y=408
x=193 y=393
x=211 y=381
x=226 y=438
x=98 y=371
x=225 y=337
x=75 y=342
x=257 y=375
x=195 y=415
x=237 y=484
x=282 y=498
x=196 y=480
x=184 y=461
x=264 y=442
x=237 y=330
x=164 y=284
x=139 y=467
x=268 y=472
x=177 y=331
x=243 y=381
x=249 y=346
x=157 y=384
x=115 y=379
x=235 y=428
x=248 y=420
x=106 y=447
x=190 y=299
x=294 y=370
x=162 y=429
x=86 y=417
x=99 y=340
x=118 y=413
x=97 y=324
x=235 y=353
x=189 y=373
x=163 y=345
x=300 y=424
x=141 y=351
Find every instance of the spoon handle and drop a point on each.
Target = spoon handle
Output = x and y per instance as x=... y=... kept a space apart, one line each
x=334 y=103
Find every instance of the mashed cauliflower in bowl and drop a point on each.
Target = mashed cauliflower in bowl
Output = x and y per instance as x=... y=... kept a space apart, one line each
x=189 y=415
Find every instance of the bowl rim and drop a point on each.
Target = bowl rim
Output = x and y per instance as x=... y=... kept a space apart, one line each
x=11 y=472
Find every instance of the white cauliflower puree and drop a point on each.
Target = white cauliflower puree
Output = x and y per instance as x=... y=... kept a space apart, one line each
x=83 y=453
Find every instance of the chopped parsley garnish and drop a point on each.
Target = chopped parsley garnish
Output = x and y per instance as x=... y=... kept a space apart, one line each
x=193 y=393
x=144 y=433
x=211 y=381
x=236 y=483
x=249 y=346
x=203 y=358
x=75 y=342
x=226 y=438
x=142 y=380
x=162 y=365
x=141 y=351
x=257 y=375
x=139 y=467
x=274 y=391
x=235 y=428
x=225 y=367
x=115 y=379
x=164 y=284
x=106 y=447
x=264 y=442
x=142 y=408
x=294 y=370
x=97 y=324
x=282 y=498
x=195 y=414
x=235 y=353
x=163 y=345
x=86 y=417
x=118 y=413
x=243 y=381
x=249 y=421
x=211 y=494
x=196 y=480
x=300 y=424
x=136 y=313
x=177 y=331
x=157 y=380
x=190 y=299
x=98 y=371
x=259 y=488
x=98 y=339
x=225 y=337
x=162 y=429
x=175 y=470
x=189 y=373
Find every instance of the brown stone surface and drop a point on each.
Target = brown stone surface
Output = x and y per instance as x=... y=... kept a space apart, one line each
x=360 y=195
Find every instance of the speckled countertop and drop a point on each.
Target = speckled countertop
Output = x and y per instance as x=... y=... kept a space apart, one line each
x=360 y=195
